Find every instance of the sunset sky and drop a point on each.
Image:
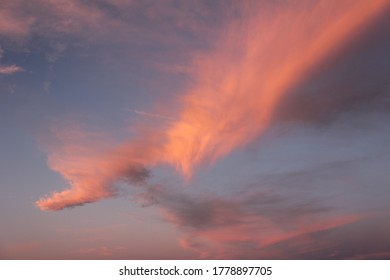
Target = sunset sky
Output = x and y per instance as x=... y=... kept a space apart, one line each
x=194 y=129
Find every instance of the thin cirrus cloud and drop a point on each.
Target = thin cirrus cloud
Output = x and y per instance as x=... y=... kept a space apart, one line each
x=236 y=87
x=23 y=20
x=239 y=84
x=92 y=22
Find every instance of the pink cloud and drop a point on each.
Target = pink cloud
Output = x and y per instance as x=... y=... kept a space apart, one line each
x=92 y=165
x=8 y=69
x=236 y=87
x=11 y=69
x=12 y=24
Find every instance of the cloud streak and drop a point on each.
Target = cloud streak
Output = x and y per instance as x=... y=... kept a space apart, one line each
x=236 y=87
x=8 y=69
x=249 y=225
x=151 y=115
x=92 y=167
x=239 y=84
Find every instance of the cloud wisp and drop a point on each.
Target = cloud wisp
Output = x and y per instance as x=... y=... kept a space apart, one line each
x=239 y=84
x=8 y=69
x=236 y=87
x=305 y=192
x=92 y=167
x=248 y=225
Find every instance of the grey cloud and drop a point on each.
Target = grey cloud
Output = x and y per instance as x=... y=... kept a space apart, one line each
x=365 y=239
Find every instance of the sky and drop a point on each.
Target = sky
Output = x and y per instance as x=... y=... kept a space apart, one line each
x=194 y=129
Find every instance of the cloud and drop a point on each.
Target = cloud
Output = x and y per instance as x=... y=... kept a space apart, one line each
x=136 y=23
x=355 y=240
x=258 y=59
x=90 y=164
x=331 y=210
x=236 y=87
x=308 y=193
x=10 y=69
x=157 y=116
x=248 y=225
x=12 y=23
x=24 y=18
x=354 y=80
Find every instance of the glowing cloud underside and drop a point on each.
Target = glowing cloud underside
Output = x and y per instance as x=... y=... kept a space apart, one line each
x=237 y=87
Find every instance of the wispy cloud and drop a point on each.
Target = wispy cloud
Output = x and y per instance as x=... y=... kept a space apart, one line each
x=152 y=115
x=260 y=57
x=12 y=23
x=248 y=225
x=10 y=69
x=88 y=162
x=236 y=88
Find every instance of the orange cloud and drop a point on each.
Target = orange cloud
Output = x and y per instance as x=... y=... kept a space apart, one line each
x=236 y=87
x=92 y=166
x=259 y=58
